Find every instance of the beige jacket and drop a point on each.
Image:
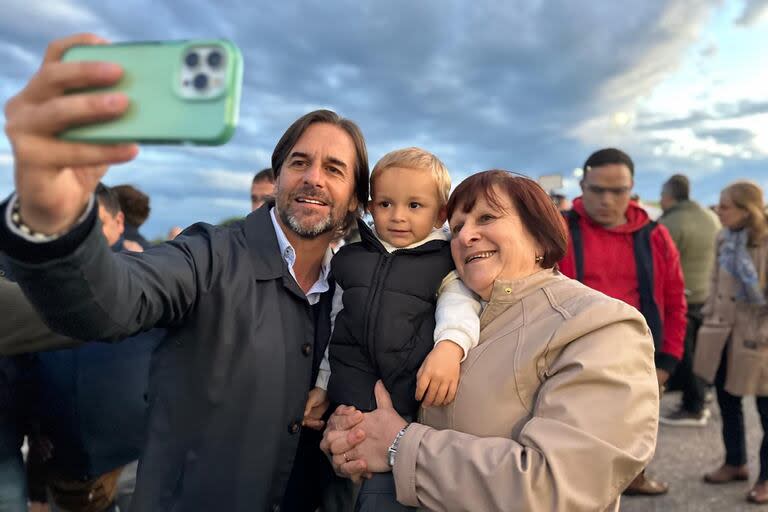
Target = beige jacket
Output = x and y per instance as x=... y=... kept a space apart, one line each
x=557 y=407
x=740 y=328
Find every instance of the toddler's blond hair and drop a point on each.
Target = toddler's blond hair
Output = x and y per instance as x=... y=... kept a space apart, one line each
x=416 y=158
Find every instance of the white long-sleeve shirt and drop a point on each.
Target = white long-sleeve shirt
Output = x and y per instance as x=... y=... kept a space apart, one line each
x=457 y=314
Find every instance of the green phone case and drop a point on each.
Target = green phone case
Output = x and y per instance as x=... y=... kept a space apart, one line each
x=164 y=107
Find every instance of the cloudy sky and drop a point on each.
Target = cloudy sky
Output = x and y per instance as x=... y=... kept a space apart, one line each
x=526 y=85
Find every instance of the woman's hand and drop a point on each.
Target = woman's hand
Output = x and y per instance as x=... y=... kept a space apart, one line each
x=340 y=439
x=358 y=443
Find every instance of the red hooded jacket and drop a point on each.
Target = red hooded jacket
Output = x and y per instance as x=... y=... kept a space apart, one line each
x=609 y=267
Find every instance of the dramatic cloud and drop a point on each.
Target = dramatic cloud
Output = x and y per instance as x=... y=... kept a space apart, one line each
x=525 y=85
x=754 y=11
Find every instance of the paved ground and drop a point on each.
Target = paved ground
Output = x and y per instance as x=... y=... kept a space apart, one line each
x=683 y=455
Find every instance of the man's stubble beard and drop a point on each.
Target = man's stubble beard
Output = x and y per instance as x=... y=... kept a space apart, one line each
x=325 y=225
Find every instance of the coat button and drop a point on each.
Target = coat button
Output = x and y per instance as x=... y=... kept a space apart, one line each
x=294 y=427
x=306 y=349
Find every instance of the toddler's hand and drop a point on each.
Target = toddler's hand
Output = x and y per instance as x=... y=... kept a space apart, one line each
x=438 y=377
x=317 y=404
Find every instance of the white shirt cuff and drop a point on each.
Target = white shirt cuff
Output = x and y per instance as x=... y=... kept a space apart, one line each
x=458 y=337
x=323 y=376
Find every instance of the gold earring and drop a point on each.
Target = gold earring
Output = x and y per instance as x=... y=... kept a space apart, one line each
x=539 y=259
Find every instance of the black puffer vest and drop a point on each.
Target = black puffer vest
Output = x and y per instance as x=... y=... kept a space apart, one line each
x=385 y=329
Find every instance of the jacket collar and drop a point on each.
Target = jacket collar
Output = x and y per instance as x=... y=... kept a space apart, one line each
x=506 y=294
x=260 y=234
x=680 y=206
x=371 y=238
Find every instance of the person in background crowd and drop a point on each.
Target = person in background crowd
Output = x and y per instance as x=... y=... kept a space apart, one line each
x=247 y=305
x=135 y=207
x=523 y=432
x=262 y=187
x=21 y=330
x=653 y=212
x=91 y=410
x=694 y=231
x=732 y=343
x=616 y=249
x=13 y=423
x=561 y=202
x=174 y=232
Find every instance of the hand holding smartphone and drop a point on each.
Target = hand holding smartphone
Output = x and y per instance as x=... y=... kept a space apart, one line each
x=157 y=93
x=179 y=92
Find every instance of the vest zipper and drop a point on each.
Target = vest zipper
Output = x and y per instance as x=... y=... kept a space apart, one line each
x=372 y=310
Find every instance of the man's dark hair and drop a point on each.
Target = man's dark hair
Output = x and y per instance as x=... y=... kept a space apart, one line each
x=108 y=199
x=362 y=172
x=264 y=175
x=678 y=187
x=609 y=156
x=134 y=203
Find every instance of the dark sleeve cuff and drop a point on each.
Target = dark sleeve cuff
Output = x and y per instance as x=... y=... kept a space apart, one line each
x=666 y=362
x=30 y=252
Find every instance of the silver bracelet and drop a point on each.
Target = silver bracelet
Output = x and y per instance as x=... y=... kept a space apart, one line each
x=392 y=451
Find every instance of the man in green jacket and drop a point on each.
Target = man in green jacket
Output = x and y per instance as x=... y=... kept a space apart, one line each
x=694 y=231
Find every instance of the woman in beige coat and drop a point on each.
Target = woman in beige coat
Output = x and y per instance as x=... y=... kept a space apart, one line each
x=557 y=406
x=732 y=344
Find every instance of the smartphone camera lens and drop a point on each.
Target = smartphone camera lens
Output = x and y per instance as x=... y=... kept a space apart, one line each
x=192 y=59
x=200 y=82
x=214 y=59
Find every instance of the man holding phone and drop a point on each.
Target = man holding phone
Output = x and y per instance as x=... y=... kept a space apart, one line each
x=246 y=306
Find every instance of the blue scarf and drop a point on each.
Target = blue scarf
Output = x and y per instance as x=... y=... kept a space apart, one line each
x=735 y=259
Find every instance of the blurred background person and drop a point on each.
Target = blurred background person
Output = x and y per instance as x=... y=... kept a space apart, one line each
x=89 y=408
x=562 y=203
x=13 y=485
x=262 y=187
x=135 y=207
x=615 y=248
x=732 y=344
x=694 y=231
x=174 y=232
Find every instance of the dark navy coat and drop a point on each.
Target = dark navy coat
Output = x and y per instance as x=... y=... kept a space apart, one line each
x=229 y=382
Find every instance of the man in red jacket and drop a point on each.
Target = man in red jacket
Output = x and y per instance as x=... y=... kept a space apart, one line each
x=615 y=248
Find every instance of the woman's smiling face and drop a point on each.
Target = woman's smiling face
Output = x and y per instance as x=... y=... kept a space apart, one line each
x=491 y=244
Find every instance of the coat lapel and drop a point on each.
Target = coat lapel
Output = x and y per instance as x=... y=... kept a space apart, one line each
x=268 y=263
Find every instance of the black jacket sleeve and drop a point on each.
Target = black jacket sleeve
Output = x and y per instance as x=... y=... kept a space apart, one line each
x=84 y=290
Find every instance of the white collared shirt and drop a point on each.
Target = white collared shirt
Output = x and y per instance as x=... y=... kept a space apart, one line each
x=289 y=255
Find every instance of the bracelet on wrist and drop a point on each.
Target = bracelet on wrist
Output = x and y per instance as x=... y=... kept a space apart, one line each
x=19 y=224
x=392 y=451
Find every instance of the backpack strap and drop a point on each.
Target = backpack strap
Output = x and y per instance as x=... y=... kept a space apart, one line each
x=645 y=281
x=578 y=246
